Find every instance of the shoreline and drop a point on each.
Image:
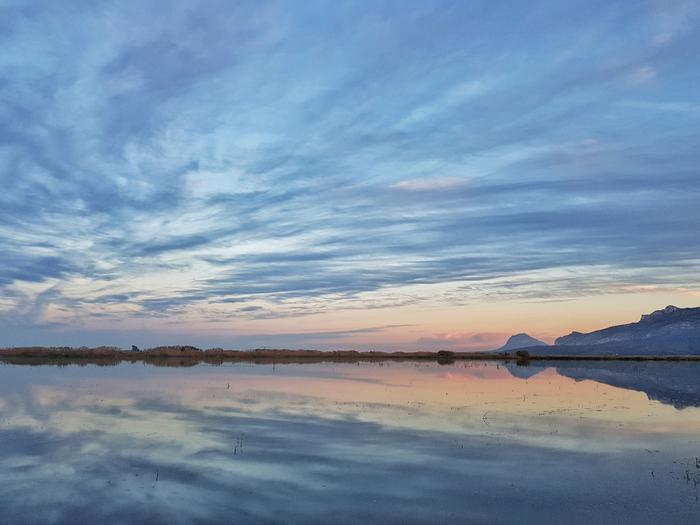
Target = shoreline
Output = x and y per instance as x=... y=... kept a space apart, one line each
x=190 y=356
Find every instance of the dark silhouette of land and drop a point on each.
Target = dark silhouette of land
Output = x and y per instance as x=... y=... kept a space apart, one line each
x=190 y=356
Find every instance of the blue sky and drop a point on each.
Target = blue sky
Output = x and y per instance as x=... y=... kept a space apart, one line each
x=344 y=174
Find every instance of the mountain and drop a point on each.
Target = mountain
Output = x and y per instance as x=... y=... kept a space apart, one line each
x=520 y=341
x=669 y=331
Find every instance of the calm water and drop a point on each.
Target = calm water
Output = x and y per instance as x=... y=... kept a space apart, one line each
x=348 y=443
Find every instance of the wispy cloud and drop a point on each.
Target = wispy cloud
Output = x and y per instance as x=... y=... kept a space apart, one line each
x=642 y=74
x=466 y=341
x=247 y=166
x=674 y=107
x=430 y=183
x=446 y=103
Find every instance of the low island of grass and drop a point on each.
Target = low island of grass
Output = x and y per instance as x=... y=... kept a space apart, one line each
x=190 y=355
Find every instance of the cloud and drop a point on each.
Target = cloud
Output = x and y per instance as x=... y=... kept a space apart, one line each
x=471 y=341
x=250 y=164
x=430 y=183
x=674 y=107
x=642 y=74
x=449 y=100
x=662 y=38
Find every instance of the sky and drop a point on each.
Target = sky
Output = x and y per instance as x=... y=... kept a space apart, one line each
x=352 y=175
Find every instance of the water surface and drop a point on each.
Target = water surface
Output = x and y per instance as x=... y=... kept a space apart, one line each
x=393 y=442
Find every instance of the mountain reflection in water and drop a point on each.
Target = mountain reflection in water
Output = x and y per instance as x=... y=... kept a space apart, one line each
x=369 y=442
x=673 y=383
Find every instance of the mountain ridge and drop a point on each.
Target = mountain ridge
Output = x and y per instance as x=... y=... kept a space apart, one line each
x=668 y=331
x=671 y=323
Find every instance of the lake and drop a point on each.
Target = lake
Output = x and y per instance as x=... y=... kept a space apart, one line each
x=368 y=442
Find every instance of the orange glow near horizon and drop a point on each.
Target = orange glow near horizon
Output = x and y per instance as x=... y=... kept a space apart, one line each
x=477 y=326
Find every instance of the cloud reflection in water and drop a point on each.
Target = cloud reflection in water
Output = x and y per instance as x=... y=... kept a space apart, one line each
x=400 y=442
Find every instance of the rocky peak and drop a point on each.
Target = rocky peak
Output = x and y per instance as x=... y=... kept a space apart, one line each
x=658 y=313
x=521 y=340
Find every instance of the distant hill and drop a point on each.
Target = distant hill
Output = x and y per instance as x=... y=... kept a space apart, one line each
x=672 y=330
x=520 y=341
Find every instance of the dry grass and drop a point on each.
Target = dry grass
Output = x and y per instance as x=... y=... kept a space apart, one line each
x=190 y=356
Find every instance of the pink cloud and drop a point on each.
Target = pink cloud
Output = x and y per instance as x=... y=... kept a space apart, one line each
x=466 y=340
